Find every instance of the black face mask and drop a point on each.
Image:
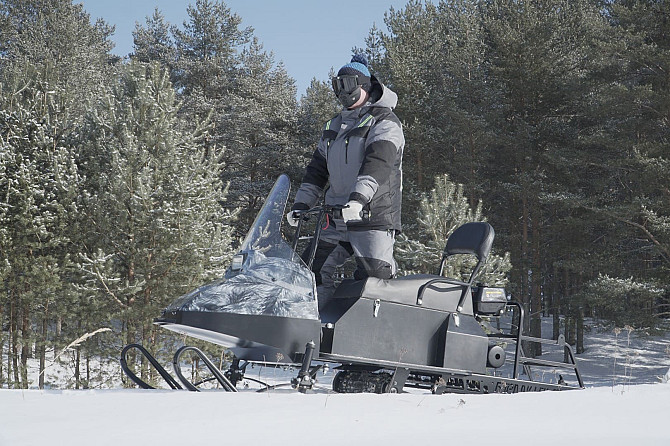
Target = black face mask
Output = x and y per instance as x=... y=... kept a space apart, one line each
x=347 y=88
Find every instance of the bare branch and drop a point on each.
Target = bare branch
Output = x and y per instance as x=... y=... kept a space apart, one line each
x=102 y=280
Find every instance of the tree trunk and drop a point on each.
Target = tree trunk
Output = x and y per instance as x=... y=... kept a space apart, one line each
x=419 y=169
x=14 y=333
x=77 y=373
x=524 y=252
x=2 y=342
x=77 y=359
x=9 y=348
x=59 y=330
x=580 y=330
x=43 y=344
x=147 y=371
x=523 y=282
x=25 y=347
x=130 y=339
x=556 y=304
x=536 y=285
x=569 y=331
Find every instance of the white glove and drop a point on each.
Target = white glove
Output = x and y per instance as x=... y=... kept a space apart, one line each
x=352 y=211
x=292 y=219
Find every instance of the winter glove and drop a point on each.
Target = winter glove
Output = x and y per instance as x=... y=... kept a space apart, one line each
x=352 y=211
x=292 y=219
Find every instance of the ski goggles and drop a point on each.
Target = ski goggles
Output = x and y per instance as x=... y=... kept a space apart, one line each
x=346 y=83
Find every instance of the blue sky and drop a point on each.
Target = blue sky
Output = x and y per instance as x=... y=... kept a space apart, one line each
x=310 y=37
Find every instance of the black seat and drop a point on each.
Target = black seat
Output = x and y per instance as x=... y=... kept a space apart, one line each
x=429 y=290
x=426 y=290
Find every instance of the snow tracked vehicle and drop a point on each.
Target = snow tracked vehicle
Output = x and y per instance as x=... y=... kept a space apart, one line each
x=423 y=331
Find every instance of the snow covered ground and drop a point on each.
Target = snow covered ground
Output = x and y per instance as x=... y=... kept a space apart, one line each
x=596 y=416
x=625 y=403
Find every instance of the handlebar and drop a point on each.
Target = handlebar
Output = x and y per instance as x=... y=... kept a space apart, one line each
x=326 y=209
x=334 y=211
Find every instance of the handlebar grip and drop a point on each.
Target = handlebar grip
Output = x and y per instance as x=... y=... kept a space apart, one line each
x=334 y=211
x=365 y=214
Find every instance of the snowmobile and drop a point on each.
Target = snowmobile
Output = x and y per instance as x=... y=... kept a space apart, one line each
x=425 y=331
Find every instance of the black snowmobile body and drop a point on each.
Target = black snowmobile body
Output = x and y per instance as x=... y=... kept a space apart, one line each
x=420 y=330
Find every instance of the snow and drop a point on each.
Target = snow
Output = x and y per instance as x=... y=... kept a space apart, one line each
x=626 y=402
x=595 y=416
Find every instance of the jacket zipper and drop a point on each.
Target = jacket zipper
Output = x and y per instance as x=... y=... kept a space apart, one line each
x=346 y=141
x=346 y=151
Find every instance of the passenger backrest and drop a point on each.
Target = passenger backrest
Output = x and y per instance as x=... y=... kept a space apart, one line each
x=474 y=238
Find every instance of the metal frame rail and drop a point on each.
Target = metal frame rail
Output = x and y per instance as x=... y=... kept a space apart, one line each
x=449 y=380
x=521 y=359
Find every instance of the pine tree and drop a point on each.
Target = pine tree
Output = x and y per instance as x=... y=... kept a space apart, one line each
x=541 y=65
x=58 y=37
x=260 y=130
x=154 y=42
x=40 y=183
x=223 y=75
x=156 y=217
x=410 y=48
x=53 y=60
x=442 y=211
x=375 y=52
x=207 y=59
x=435 y=61
x=632 y=198
x=317 y=106
x=623 y=301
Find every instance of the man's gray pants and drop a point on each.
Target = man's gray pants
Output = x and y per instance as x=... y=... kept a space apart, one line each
x=372 y=250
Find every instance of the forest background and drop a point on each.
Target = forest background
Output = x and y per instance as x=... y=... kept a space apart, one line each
x=126 y=182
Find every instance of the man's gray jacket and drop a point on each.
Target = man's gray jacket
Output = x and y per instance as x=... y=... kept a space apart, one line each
x=360 y=155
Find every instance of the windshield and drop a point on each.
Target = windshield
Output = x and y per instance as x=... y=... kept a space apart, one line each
x=264 y=235
x=270 y=280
